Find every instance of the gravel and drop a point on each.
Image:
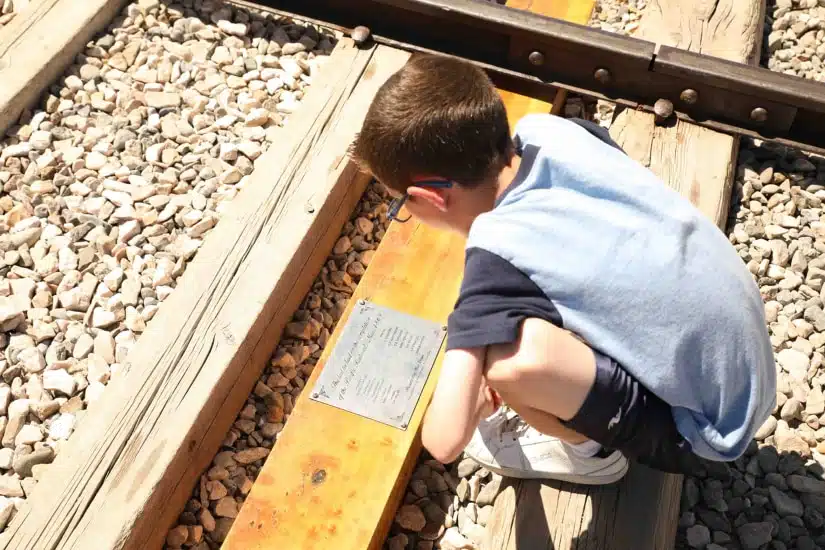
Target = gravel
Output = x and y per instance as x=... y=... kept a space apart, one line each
x=109 y=188
x=222 y=489
x=773 y=496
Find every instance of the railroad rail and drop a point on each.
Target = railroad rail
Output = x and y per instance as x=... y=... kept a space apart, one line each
x=533 y=54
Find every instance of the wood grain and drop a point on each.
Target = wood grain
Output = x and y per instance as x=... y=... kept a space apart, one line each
x=127 y=471
x=39 y=43
x=729 y=29
x=696 y=161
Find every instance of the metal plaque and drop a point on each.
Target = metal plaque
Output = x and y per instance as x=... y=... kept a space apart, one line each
x=380 y=363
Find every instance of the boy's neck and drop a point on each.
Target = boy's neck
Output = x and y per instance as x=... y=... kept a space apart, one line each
x=488 y=202
x=507 y=176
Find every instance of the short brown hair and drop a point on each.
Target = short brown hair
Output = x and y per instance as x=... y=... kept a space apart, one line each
x=436 y=116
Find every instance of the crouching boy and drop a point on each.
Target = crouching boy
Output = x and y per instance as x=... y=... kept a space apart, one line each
x=612 y=317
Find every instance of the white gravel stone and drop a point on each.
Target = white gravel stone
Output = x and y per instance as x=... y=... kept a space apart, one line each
x=60 y=381
x=112 y=184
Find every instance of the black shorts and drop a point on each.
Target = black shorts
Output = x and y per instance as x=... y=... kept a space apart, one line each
x=623 y=415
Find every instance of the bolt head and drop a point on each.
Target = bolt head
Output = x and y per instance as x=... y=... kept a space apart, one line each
x=759 y=114
x=536 y=58
x=689 y=96
x=360 y=34
x=663 y=108
x=602 y=75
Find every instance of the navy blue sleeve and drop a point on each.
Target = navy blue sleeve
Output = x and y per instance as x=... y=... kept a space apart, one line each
x=494 y=299
x=598 y=131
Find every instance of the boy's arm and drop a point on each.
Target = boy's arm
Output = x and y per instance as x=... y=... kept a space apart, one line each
x=460 y=400
x=494 y=299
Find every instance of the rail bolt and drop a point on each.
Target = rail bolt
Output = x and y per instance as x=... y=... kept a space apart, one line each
x=689 y=96
x=759 y=114
x=602 y=75
x=663 y=108
x=536 y=58
x=360 y=34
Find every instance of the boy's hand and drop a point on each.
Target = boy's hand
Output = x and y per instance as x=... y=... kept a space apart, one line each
x=489 y=401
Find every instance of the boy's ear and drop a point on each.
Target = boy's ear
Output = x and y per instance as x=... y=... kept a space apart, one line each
x=435 y=196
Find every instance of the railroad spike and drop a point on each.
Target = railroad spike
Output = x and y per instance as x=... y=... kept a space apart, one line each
x=361 y=34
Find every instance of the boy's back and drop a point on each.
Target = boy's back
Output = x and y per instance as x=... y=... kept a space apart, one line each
x=642 y=276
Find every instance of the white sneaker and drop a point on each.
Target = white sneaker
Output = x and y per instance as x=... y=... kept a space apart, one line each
x=503 y=443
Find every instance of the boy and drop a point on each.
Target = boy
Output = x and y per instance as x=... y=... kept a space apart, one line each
x=614 y=319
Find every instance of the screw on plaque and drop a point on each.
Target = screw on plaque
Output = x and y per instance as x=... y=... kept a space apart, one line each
x=536 y=58
x=318 y=476
x=602 y=76
x=689 y=96
x=361 y=34
x=760 y=114
x=403 y=425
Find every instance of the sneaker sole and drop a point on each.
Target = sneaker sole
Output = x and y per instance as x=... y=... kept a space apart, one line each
x=610 y=473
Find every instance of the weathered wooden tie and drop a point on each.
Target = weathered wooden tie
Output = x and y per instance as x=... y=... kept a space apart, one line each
x=38 y=45
x=127 y=471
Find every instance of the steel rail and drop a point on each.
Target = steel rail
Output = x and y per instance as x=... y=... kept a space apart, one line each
x=535 y=55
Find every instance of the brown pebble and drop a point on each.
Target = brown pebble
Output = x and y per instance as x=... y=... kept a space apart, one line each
x=225 y=459
x=207 y=520
x=195 y=534
x=364 y=226
x=275 y=415
x=245 y=485
x=342 y=246
x=217 y=490
x=227 y=507
x=222 y=527
x=249 y=456
x=177 y=536
x=301 y=331
x=283 y=359
x=411 y=517
x=367 y=256
x=216 y=473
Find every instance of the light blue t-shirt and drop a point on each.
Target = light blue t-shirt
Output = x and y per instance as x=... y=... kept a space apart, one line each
x=642 y=275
